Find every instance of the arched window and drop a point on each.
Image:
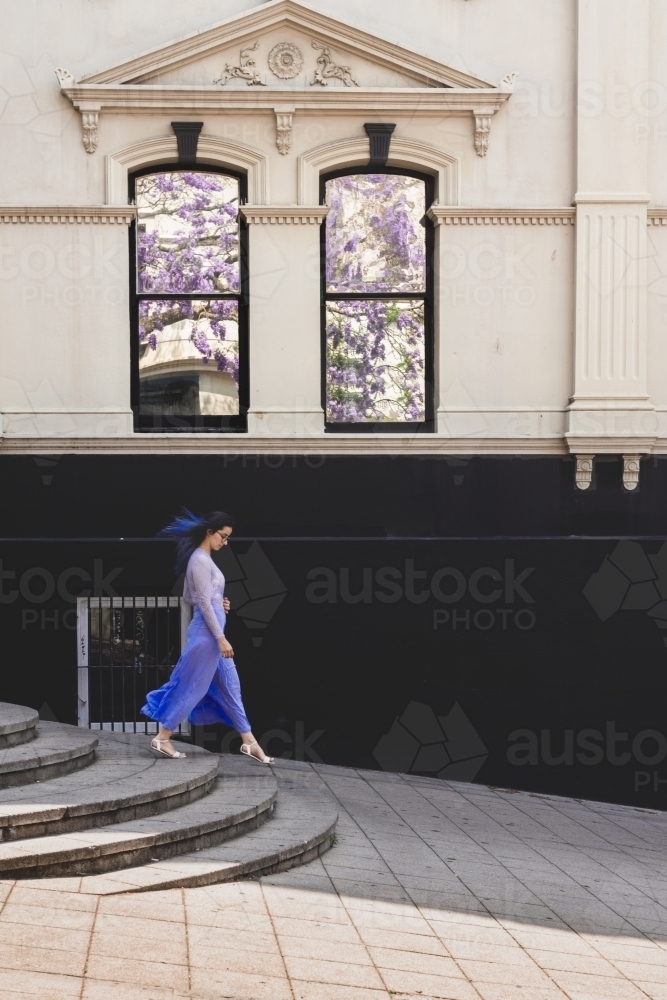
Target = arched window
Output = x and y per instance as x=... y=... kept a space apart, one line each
x=377 y=309
x=189 y=300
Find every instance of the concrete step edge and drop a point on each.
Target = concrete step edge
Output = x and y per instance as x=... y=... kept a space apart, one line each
x=17 y=724
x=57 y=750
x=122 y=843
x=48 y=819
x=228 y=863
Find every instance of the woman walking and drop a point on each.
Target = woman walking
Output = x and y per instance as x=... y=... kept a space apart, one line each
x=204 y=686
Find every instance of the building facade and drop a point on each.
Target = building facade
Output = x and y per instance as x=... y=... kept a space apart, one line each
x=389 y=288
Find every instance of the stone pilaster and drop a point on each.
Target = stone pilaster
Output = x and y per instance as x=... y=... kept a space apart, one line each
x=610 y=409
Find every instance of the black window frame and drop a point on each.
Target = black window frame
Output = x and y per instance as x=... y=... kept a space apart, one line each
x=427 y=426
x=191 y=424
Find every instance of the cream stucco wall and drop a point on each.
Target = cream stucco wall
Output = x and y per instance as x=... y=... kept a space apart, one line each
x=546 y=340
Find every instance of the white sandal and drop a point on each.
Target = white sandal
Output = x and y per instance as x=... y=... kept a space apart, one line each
x=247 y=753
x=156 y=745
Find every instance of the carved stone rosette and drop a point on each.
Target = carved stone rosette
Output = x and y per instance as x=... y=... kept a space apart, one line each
x=583 y=474
x=285 y=60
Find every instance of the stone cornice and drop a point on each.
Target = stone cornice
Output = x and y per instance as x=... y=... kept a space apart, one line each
x=657 y=217
x=72 y=214
x=284 y=214
x=130 y=98
x=327 y=444
x=285 y=14
x=616 y=445
x=612 y=198
x=454 y=216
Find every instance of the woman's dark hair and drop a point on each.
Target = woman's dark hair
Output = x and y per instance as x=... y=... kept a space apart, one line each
x=190 y=531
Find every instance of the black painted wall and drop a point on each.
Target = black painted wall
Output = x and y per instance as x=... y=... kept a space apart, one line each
x=472 y=618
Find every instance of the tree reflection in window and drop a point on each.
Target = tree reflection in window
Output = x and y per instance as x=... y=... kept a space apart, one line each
x=188 y=290
x=375 y=296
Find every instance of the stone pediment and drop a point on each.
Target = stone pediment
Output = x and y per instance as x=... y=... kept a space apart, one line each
x=287 y=58
x=274 y=44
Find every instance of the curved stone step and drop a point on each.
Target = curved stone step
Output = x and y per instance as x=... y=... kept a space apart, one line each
x=58 y=750
x=237 y=803
x=301 y=828
x=127 y=781
x=17 y=724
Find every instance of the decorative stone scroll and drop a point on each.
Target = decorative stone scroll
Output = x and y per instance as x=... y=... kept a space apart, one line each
x=246 y=69
x=583 y=473
x=631 y=465
x=327 y=69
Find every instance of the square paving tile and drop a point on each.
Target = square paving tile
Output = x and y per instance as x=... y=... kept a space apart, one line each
x=338 y=973
x=412 y=983
x=137 y=973
x=306 y=946
x=40 y=985
x=241 y=985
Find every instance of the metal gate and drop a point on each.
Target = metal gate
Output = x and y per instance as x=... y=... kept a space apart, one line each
x=127 y=646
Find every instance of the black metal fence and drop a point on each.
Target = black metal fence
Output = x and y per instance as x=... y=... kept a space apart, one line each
x=127 y=646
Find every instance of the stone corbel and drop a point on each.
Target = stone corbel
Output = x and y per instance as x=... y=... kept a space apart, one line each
x=583 y=472
x=631 y=472
x=483 y=118
x=284 y=114
x=90 y=112
x=90 y=116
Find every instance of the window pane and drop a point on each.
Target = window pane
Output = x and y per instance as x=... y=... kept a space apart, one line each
x=375 y=241
x=187 y=232
x=189 y=357
x=375 y=361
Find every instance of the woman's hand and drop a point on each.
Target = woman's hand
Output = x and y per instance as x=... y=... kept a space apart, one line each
x=225 y=648
x=226 y=605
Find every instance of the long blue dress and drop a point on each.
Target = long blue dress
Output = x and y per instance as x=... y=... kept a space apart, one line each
x=204 y=687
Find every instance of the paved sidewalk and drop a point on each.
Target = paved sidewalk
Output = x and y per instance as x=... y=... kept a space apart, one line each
x=434 y=890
